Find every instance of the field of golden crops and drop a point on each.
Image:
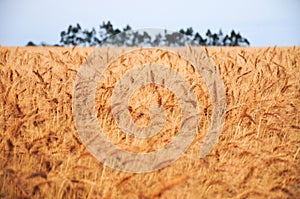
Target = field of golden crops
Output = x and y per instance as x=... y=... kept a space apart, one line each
x=257 y=154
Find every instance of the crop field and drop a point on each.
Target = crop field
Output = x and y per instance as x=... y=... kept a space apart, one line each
x=257 y=154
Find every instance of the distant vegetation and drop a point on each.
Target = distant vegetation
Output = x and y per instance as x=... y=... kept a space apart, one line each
x=108 y=35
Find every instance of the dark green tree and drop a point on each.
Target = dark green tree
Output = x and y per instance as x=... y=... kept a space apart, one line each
x=110 y=36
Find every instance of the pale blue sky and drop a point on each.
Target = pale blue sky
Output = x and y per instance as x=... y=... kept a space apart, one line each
x=263 y=22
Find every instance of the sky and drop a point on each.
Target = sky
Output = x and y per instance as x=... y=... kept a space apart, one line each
x=262 y=22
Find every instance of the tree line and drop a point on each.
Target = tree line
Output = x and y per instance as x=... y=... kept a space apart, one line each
x=107 y=35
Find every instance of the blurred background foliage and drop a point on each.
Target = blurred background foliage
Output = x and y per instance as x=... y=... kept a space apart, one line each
x=107 y=35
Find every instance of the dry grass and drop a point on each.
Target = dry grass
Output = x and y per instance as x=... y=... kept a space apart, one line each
x=257 y=156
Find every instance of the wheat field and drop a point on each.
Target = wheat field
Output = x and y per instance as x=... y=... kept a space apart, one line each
x=257 y=154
